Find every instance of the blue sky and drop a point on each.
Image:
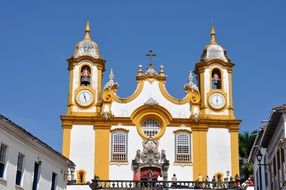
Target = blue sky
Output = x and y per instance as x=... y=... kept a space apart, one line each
x=38 y=36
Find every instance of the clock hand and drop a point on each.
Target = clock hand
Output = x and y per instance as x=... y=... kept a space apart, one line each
x=84 y=96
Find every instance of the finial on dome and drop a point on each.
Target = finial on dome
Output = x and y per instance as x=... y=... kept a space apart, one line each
x=87 y=31
x=213 y=39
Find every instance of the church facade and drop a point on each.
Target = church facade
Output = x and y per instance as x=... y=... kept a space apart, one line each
x=103 y=133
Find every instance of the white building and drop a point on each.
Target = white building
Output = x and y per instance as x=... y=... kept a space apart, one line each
x=27 y=163
x=102 y=132
x=269 y=148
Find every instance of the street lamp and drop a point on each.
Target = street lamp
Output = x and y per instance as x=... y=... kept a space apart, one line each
x=259 y=158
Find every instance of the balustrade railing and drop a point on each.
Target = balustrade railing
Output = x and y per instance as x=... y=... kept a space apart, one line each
x=157 y=185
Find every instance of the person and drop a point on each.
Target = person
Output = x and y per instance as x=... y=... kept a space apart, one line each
x=150 y=175
x=249 y=182
x=213 y=182
x=136 y=178
x=207 y=181
x=174 y=179
x=237 y=181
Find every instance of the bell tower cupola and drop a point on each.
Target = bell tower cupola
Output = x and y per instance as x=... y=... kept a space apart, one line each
x=214 y=72
x=86 y=68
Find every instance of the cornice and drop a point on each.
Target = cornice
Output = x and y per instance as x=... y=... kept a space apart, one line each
x=99 y=62
x=202 y=65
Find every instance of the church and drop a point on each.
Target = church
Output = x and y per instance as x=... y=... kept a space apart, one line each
x=114 y=137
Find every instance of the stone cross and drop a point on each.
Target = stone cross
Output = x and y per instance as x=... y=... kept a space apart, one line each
x=150 y=54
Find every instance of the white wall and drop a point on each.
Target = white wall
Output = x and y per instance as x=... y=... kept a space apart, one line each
x=124 y=172
x=150 y=90
x=48 y=165
x=218 y=151
x=78 y=187
x=82 y=148
x=166 y=142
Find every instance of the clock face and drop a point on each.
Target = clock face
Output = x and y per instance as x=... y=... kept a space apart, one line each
x=217 y=100
x=84 y=98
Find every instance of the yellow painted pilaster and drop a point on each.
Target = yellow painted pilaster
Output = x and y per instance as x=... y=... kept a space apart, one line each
x=101 y=161
x=230 y=94
x=99 y=89
x=66 y=140
x=70 y=95
x=199 y=151
x=203 y=94
x=234 y=151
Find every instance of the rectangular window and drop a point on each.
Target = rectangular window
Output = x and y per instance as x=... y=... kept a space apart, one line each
x=36 y=175
x=54 y=181
x=19 y=172
x=3 y=152
x=119 y=146
x=183 y=147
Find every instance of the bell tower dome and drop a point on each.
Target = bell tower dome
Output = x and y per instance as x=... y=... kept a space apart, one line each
x=86 y=68
x=215 y=81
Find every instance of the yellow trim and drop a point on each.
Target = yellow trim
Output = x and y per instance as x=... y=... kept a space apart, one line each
x=230 y=94
x=157 y=113
x=119 y=128
x=202 y=91
x=234 y=152
x=124 y=100
x=89 y=88
x=99 y=88
x=183 y=128
x=212 y=91
x=83 y=176
x=218 y=117
x=221 y=77
x=81 y=65
x=101 y=157
x=199 y=151
x=66 y=140
x=70 y=95
x=165 y=93
x=222 y=122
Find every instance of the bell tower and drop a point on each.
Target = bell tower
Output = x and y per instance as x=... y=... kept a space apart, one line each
x=215 y=81
x=86 y=68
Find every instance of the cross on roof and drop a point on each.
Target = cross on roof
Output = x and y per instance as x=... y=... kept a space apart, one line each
x=150 y=54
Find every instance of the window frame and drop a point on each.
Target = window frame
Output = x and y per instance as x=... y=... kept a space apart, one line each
x=4 y=161
x=155 y=133
x=189 y=145
x=19 y=173
x=113 y=153
x=54 y=181
x=220 y=73
x=80 y=76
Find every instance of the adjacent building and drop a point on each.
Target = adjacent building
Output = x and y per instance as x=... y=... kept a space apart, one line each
x=268 y=152
x=26 y=162
x=107 y=135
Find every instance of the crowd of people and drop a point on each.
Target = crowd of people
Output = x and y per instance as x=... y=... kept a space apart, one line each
x=204 y=182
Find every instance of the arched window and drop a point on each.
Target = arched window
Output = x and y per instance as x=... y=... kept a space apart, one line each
x=85 y=76
x=150 y=127
x=119 y=146
x=183 y=147
x=216 y=79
